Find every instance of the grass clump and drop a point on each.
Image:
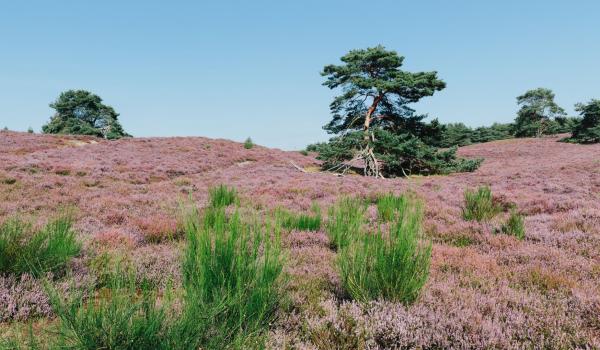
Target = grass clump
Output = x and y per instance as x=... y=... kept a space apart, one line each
x=345 y=221
x=480 y=205
x=231 y=272
x=389 y=205
x=515 y=225
x=120 y=316
x=300 y=222
x=222 y=196
x=24 y=250
x=248 y=144
x=391 y=265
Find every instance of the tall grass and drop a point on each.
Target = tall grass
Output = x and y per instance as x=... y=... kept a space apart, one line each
x=222 y=196
x=25 y=250
x=231 y=272
x=391 y=265
x=515 y=225
x=479 y=205
x=389 y=205
x=345 y=221
x=300 y=222
x=121 y=316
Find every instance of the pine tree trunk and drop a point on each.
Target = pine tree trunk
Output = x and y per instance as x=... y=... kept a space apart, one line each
x=370 y=161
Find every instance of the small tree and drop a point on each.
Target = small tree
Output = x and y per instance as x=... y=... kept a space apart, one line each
x=537 y=111
x=81 y=112
x=375 y=93
x=588 y=130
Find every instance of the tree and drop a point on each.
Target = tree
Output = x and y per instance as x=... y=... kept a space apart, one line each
x=537 y=111
x=81 y=112
x=588 y=130
x=376 y=94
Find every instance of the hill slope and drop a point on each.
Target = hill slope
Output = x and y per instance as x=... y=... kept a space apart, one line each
x=485 y=289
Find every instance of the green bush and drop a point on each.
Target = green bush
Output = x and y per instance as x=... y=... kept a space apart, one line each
x=222 y=196
x=480 y=205
x=24 y=250
x=515 y=225
x=399 y=154
x=248 y=144
x=391 y=265
x=231 y=275
x=345 y=221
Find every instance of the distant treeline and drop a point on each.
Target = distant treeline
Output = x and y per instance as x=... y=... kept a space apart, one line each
x=458 y=134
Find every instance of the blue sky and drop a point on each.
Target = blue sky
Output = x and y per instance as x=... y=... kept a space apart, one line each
x=233 y=69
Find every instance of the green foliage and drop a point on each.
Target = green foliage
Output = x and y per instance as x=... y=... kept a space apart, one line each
x=30 y=130
x=80 y=112
x=391 y=265
x=458 y=134
x=390 y=205
x=372 y=118
x=303 y=152
x=24 y=250
x=480 y=205
x=588 y=130
x=345 y=221
x=231 y=272
x=120 y=317
x=248 y=144
x=400 y=154
x=300 y=222
x=515 y=225
x=537 y=111
x=375 y=72
x=222 y=196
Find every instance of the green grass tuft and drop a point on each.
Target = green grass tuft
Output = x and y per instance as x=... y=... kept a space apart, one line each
x=24 y=250
x=515 y=225
x=231 y=275
x=391 y=265
x=120 y=316
x=479 y=205
x=389 y=205
x=300 y=222
x=222 y=196
x=345 y=221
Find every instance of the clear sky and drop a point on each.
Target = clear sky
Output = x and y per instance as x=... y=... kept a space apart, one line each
x=233 y=69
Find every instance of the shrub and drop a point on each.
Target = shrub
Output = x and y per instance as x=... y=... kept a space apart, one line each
x=304 y=152
x=46 y=250
x=392 y=265
x=399 y=154
x=479 y=205
x=231 y=272
x=515 y=226
x=300 y=222
x=345 y=221
x=248 y=144
x=30 y=130
x=222 y=196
